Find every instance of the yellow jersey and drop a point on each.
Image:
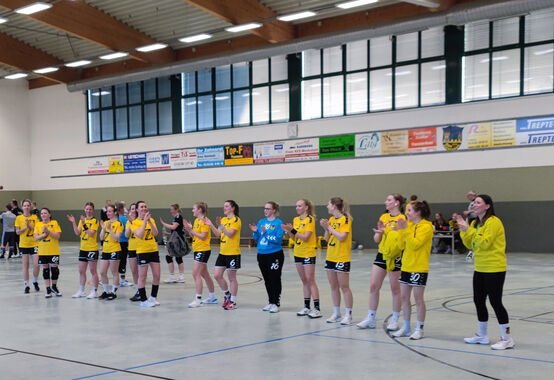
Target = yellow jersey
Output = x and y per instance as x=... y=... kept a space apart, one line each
x=488 y=242
x=339 y=251
x=199 y=245
x=89 y=243
x=417 y=239
x=148 y=242
x=48 y=246
x=132 y=237
x=230 y=246
x=110 y=245
x=27 y=238
x=390 y=246
x=304 y=248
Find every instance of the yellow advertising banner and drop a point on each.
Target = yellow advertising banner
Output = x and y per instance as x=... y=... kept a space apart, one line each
x=479 y=135
x=394 y=142
x=115 y=164
x=504 y=133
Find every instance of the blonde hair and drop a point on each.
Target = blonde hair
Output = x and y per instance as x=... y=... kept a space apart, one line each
x=341 y=205
x=310 y=205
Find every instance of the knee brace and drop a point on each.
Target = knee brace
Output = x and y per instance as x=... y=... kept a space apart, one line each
x=168 y=259
x=179 y=260
x=55 y=273
x=46 y=273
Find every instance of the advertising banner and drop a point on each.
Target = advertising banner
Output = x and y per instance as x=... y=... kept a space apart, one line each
x=422 y=140
x=182 y=159
x=134 y=162
x=116 y=164
x=504 y=133
x=239 y=154
x=478 y=135
x=337 y=146
x=368 y=144
x=269 y=152
x=394 y=142
x=210 y=157
x=302 y=150
x=98 y=165
x=157 y=161
x=535 y=131
x=451 y=138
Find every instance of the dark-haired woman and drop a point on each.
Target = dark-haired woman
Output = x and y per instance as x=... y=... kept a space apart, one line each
x=228 y=229
x=388 y=260
x=486 y=237
x=176 y=225
x=268 y=235
x=25 y=228
x=88 y=252
x=417 y=238
x=47 y=233
x=111 y=252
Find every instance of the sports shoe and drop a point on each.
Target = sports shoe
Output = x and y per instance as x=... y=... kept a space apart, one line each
x=56 y=291
x=78 y=294
x=266 y=307
x=195 y=303
x=147 y=303
x=170 y=279
x=368 y=323
x=92 y=295
x=37 y=288
x=273 y=308
x=477 y=339
x=417 y=335
x=27 y=290
x=111 y=296
x=314 y=313
x=103 y=296
x=334 y=318
x=48 y=294
x=181 y=278
x=226 y=301
x=231 y=305
x=154 y=301
x=124 y=283
x=347 y=320
x=402 y=332
x=503 y=344
x=392 y=326
x=135 y=298
x=303 y=312
x=209 y=301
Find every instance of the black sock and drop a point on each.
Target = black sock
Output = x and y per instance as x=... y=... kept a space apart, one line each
x=48 y=290
x=155 y=290
x=316 y=304
x=307 y=303
x=142 y=293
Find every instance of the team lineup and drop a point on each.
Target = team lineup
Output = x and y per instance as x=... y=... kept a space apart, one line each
x=404 y=236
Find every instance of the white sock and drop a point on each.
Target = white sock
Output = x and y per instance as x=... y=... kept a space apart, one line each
x=371 y=314
x=81 y=288
x=395 y=316
x=336 y=309
x=348 y=311
x=106 y=287
x=211 y=295
x=26 y=282
x=482 y=329
x=136 y=287
x=225 y=292
x=233 y=298
x=35 y=279
x=406 y=325
x=114 y=289
x=419 y=325
x=198 y=296
x=505 y=331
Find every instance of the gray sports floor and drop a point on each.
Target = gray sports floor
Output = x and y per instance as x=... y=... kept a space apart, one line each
x=65 y=338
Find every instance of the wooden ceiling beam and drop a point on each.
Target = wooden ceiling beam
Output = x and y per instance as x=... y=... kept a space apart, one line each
x=240 y=12
x=84 y=21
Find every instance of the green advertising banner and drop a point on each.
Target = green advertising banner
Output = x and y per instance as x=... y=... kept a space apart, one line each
x=337 y=146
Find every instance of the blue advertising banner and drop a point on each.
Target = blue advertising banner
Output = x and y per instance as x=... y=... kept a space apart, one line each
x=535 y=131
x=210 y=157
x=134 y=162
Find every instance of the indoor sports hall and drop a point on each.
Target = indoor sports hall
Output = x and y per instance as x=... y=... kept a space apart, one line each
x=362 y=119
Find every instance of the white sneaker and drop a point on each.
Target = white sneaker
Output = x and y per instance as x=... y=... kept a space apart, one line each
x=79 y=294
x=147 y=303
x=181 y=278
x=347 y=320
x=92 y=295
x=195 y=303
x=170 y=279
x=273 y=308
x=124 y=284
x=417 y=335
x=401 y=333
x=209 y=301
x=154 y=301
x=334 y=318
x=314 y=313
x=503 y=344
x=266 y=307
x=368 y=323
x=392 y=326
x=303 y=312
x=477 y=339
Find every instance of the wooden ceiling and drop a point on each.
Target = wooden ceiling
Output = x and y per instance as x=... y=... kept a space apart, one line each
x=73 y=30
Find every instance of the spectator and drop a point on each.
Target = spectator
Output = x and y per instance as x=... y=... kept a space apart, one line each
x=34 y=209
x=103 y=214
x=8 y=233
x=440 y=245
x=469 y=214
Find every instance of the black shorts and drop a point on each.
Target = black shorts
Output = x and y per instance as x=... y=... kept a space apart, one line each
x=147 y=258
x=231 y=262
x=343 y=267
x=111 y=256
x=28 y=251
x=132 y=254
x=87 y=256
x=8 y=238
x=381 y=263
x=304 y=260
x=49 y=259
x=413 y=279
x=202 y=256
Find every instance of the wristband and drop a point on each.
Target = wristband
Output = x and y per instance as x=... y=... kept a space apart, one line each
x=293 y=231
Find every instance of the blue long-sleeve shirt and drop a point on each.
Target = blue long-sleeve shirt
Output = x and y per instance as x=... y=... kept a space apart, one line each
x=270 y=241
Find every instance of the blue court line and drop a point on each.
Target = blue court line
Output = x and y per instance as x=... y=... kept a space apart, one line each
x=440 y=349
x=213 y=352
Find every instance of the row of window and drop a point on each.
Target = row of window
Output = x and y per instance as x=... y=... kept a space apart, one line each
x=509 y=57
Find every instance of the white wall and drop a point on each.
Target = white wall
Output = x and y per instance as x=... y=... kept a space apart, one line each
x=58 y=127
x=14 y=135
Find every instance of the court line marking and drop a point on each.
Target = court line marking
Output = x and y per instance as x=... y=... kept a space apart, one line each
x=8 y=353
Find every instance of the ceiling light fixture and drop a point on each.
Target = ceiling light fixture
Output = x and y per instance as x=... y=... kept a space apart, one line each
x=46 y=70
x=242 y=28
x=195 y=38
x=33 y=8
x=119 y=54
x=16 y=76
x=152 y=47
x=356 y=3
x=3 y=20
x=296 y=16
x=82 y=62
